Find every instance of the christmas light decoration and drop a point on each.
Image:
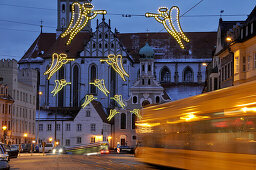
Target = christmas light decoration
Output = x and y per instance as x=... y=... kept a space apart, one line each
x=59 y=86
x=101 y=85
x=166 y=18
x=112 y=113
x=57 y=62
x=136 y=112
x=85 y=14
x=119 y=100
x=117 y=64
x=88 y=99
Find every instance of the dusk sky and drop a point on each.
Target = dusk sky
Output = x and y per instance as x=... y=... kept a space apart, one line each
x=16 y=37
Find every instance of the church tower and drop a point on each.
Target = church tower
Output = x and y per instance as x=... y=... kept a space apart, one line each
x=64 y=15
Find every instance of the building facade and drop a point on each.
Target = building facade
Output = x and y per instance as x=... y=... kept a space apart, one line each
x=22 y=86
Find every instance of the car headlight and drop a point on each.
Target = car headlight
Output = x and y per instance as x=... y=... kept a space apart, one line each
x=60 y=150
x=54 y=151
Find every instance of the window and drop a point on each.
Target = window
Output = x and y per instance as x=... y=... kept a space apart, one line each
x=112 y=45
x=237 y=65
x=244 y=66
x=249 y=60
x=149 y=82
x=100 y=36
x=63 y=22
x=215 y=83
x=100 y=45
x=149 y=67
x=246 y=33
x=242 y=33
x=133 y=121
x=143 y=82
x=93 y=45
x=93 y=76
x=188 y=75
x=134 y=137
x=78 y=140
x=226 y=72
x=106 y=45
x=165 y=75
x=68 y=127
x=61 y=93
x=93 y=127
x=49 y=127
x=58 y=127
x=75 y=85
x=143 y=67
x=41 y=127
x=123 y=121
x=92 y=139
x=18 y=95
x=88 y=113
x=79 y=127
x=157 y=99
x=134 y=99
x=252 y=28
x=67 y=142
x=106 y=35
x=63 y=8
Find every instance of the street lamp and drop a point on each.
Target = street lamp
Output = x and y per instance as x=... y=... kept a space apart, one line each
x=50 y=139
x=25 y=136
x=4 y=129
x=37 y=129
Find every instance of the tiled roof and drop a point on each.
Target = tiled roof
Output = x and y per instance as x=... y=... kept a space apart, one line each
x=72 y=50
x=99 y=108
x=41 y=45
x=201 y=44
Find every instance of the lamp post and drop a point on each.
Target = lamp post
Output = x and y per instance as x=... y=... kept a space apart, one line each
x=37 y=129
x=4 y=129
x=50 y=139
x=25 y=136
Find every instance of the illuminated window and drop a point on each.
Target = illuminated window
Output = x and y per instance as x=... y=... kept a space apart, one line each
x=237 y=65
x=75 y=86
x=93 y=127
x=78 y=140
x=93 y=76
x=123 y=121
x=92 y=139
x=165 y=75
x=188 y=75
x=67 y=142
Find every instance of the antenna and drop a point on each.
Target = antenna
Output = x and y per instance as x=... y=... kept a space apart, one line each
x=41 y=26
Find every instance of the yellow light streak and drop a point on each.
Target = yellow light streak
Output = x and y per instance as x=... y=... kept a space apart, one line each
x=112 y=113
x=166 y=18
x=147 y=124
x=59 y=86
x=247 y=104
x=101 y=85
x=136 y=112
x=57 y=62
x=85 y=13
x=117 y=64
x=190 y=117
x=119 y=100
x=88 y=99
x=245 y=109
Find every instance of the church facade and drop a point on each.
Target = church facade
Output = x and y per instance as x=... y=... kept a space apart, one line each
x=158 y=70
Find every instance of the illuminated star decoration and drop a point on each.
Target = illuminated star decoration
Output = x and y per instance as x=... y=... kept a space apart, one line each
x=166 y=18
x=101 y=85
x=59 y=86
x=57 y=62
x=136 y=112
x=119 y=100
x=117 y=64
x=88 y=99
x=113 y=112
x=85 y=14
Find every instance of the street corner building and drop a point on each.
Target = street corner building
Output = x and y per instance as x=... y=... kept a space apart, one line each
x=154 y=70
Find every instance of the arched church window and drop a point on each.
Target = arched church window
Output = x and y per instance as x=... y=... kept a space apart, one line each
x=112 y=45
x=106 y=45
x=133 y=121
x=75 y=85
x=149 y=67
x=145 y=103
x=100 y=36
x=93 y=76
x=63 y=8
x=93 y=45
x=134 y=99
x=143 y=67
x=123 y=121
x=165 y=75
x=70 y=7
x=61 y=93
x=106 y=35
x=99 y=45
x=188 y=75
x=143 y=81
x=149 y=82
x=157 y=99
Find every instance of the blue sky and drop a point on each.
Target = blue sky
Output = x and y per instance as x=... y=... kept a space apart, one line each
x=16 y=38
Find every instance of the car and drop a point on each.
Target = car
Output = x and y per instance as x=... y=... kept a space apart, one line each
x=12 y=152
x=4 y=158
x=25 y=148
x=59 y=150
x=48 y=147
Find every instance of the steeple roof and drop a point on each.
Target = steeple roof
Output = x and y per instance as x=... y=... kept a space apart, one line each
x=147 y=51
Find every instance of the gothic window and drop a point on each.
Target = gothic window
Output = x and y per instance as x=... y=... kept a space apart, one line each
x=112 y=84
x=145 y=103
x=61 y=93
x=93 y=76
x=123 y=121
x=188 y=75
x=75 y=85
x=134 y=99
x=37 y=88
x=165 y=75
x=70 y=7
x=149 y=67
x=157 y=99
x=106 y=35
x=149 y=82
x=106 y=45
x=63 y=8
x=99 y=45
x=93 y=45
x=112 y=45
x=133 y=121
x=143 y=67
x=100 y=36
x=143 y=81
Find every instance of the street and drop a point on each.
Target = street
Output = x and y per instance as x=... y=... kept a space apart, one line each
x=111 y=161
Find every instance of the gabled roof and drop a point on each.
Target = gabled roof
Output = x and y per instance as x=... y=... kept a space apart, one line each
x=99 y=108
x=200 y=46
x=40 y=46
x=73 y=50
